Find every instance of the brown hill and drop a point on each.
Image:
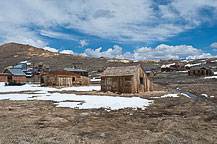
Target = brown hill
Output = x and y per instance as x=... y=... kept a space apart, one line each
x=12 y=53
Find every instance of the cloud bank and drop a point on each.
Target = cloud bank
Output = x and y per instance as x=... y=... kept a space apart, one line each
x=162 y=51
x=123 y=20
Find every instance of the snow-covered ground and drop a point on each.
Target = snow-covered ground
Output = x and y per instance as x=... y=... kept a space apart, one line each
x=191 y=65
x=205 y=95
x=211 y=77
x=72 y=100
x=95 y=80
x=35 y=87
x=170 y=95
x=167 y=95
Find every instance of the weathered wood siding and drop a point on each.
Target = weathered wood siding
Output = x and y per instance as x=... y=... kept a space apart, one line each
x=19 y=79
x=3 y=78
x=201 y=72
x=122 y=84
x=64 y=80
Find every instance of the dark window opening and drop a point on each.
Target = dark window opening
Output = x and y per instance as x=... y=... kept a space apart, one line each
x=141 y=81
x=73 y=79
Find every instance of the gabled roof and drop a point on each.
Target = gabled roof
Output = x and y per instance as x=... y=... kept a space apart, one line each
x=74 y=70
x=121 y=71
x=16 y=72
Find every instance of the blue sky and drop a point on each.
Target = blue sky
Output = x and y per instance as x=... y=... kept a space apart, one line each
x=140 y=29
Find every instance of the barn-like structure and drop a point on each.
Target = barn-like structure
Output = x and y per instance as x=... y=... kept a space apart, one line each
x=63 y=78
x=128 y=79
x=204 y=71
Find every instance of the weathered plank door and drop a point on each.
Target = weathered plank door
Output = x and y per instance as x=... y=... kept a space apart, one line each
x=121 y=84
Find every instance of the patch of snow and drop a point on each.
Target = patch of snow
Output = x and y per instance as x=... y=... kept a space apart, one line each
x=169 y=95
x=214 y=61
x=211 y=77
x=79 y=101
x=205 y=95
x=168 y=65
x=185 y=95
x=84 y=101
x=35 y=87
x=191 y=65
x=95 y=80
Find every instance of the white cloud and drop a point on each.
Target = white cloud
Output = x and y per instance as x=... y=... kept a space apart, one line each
x=83 y=43
x=203 y=55
x=50 y=49
x=58 y=35
x=146 y=53
x=67 y=52
x=24 y=40
x=116 y=52
x=213 y=45
x=122 y=20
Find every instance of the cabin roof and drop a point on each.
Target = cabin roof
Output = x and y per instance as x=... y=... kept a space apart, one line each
x=16 y=72
x=121 y=71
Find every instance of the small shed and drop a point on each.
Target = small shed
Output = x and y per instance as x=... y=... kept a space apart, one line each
x=63 y=78
x=77 y=71
x=204 y=71
x=15 y=75
x=128 y=79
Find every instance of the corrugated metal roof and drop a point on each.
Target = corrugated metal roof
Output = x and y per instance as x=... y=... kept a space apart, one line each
x=74 y=70
x=16 y=72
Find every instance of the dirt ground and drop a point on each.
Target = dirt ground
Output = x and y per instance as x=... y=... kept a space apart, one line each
x=167 y=120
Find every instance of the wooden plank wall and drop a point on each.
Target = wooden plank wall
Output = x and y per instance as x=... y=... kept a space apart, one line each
x=65 y=80
x=3 y=78
x=20 y=79
x=117 y=84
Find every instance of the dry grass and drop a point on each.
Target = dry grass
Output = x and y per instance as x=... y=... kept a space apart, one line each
x=168 y=120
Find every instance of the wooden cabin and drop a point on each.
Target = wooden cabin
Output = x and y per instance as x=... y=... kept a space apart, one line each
x=201 y=72
x=63 y=78
x=15 y=75
x=128 y=79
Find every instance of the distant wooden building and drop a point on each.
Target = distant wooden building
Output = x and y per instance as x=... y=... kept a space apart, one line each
x=201 y=72
x=14 y=75
x=63 y=78
x=129 y=79
x=77 y=71
x=172 y=67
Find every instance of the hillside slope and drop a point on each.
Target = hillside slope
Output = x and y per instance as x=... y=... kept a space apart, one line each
x=12 y=53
